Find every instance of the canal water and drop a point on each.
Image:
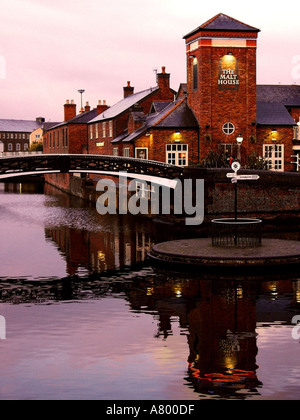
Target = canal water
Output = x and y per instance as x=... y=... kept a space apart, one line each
x=85 y=317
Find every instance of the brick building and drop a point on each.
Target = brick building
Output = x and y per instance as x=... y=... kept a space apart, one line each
x=228 y=104
x=219 y=111
x=15 y=134
x=71 y=136
x=106 y=131
x=220 y=103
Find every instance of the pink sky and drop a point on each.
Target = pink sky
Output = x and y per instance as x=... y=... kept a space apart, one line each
x=51 y=48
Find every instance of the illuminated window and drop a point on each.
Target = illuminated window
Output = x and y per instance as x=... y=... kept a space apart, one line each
x=195 y=74
x=274 y=156
x=177 y=154
x=228 y=128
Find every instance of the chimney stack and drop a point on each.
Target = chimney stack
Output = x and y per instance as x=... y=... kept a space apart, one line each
x=101 y=107
x=87 y=107
x=163 y=79
x=128 y=90
x=69 y=110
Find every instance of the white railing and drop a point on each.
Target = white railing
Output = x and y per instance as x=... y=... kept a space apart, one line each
x=12 y=154
x=297 y=161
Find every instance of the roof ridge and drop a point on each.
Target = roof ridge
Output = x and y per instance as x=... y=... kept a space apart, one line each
x=169 y=112
x=228 y=17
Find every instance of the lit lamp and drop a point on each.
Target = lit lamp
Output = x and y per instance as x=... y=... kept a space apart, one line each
x=239 y=141
x=274 y=133
x=177 y=136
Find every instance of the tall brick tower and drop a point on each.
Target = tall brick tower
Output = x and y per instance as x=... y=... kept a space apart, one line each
x=221 y=83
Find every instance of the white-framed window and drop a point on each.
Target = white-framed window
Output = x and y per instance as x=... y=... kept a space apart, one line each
x=126 y=152
x=110 y=129
x=274 y=156
x=10 y=147
x=104 y=129
x=97 y=131
x=115 y=151
x=91 y=132
x=141 y=153
x=297 y=132
x=26 y=147
x=18 y=147
x=177 y=154
x=228 y=128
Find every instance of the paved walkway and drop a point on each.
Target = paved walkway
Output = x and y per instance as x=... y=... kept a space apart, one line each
x=200 y=252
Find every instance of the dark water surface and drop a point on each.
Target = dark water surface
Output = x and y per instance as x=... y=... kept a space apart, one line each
x=88 y=318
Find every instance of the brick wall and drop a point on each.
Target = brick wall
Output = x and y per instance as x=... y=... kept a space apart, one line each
x=157 y=141
x=120 y=122
x=215 y=103
x=66 y=139
x=274 y=195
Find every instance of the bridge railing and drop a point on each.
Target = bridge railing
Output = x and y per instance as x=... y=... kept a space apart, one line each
x=18 y=165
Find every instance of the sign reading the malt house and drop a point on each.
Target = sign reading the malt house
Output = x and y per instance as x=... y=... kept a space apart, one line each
x=228 y=73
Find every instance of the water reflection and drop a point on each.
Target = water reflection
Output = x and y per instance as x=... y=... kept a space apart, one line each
x=177 y=336
x=219 y=318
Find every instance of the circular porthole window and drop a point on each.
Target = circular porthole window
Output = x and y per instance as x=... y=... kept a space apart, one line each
x=228 y=128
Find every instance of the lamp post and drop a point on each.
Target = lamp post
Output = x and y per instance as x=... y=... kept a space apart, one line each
x=81 y=91
x=239 y=140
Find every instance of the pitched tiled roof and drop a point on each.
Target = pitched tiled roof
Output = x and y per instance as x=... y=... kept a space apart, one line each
x=288 y=95
x=83 y=118
x=272 y=113
x=223 y=22
x=273 y=101
x=19 y=126
x=178 y=114
x=159 y=106
x=175 y=115
x=123 y=105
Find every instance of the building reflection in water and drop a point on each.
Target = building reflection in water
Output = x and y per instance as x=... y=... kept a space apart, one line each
x=115 y=242
x=218 y=316
x=220 y=320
